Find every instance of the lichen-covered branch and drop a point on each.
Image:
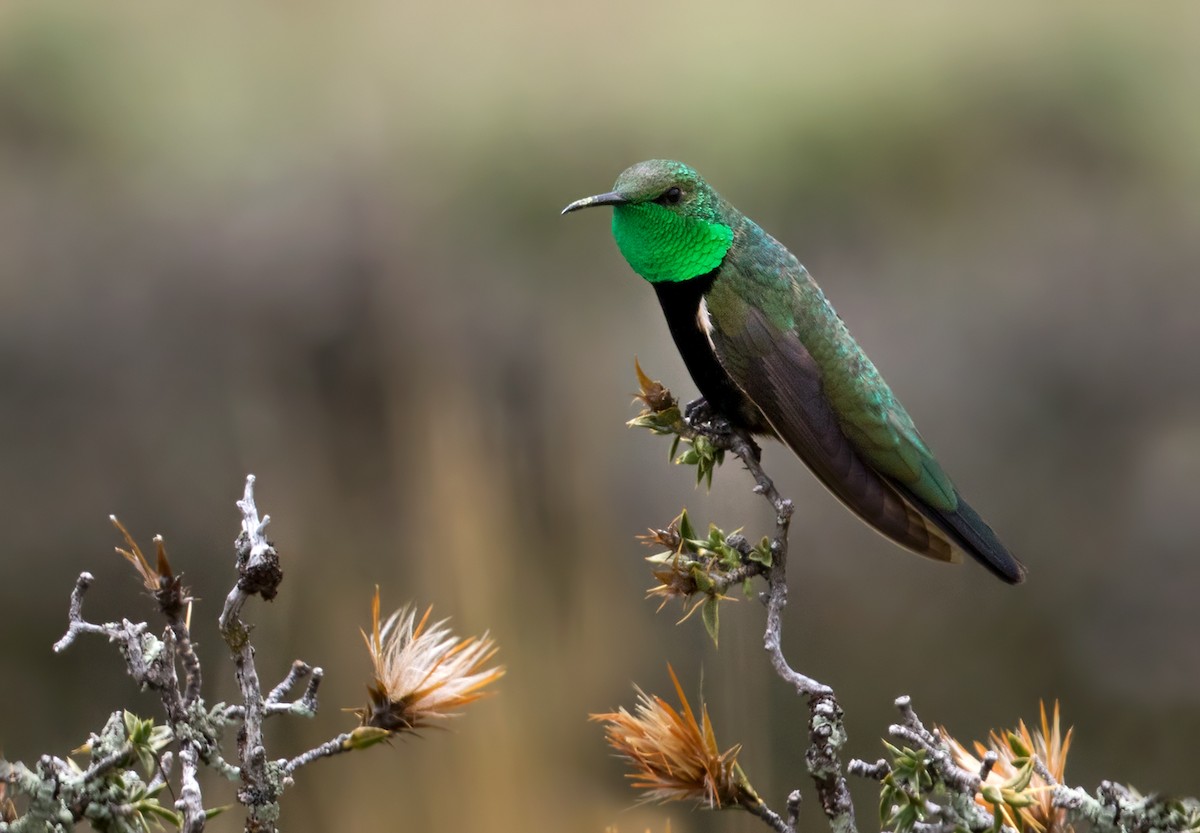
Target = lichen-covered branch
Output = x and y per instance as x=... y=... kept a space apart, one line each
x=129 y=765
x=1016 y=782
x=827 y=734
x=258 y=574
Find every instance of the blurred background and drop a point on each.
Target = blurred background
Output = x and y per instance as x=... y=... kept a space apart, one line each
x=321 y=244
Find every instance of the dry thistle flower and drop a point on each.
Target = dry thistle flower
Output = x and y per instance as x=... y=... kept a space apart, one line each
x=668 y=538
x=675 y=581
x=166 y=587
x=8 y=811
x=652 y=394
x=674 y=757
x=1013 y=776
x=671 y=570
x=422 y=672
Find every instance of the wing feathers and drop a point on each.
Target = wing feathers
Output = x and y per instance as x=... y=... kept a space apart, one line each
x=855 y=437
x=784 y=381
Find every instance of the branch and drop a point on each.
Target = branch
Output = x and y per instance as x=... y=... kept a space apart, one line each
x=826 y=731
x=129 y=765
x=931 y=784
x=258 y=574
x=710 y=435
x=328 y=749
x=75 y=622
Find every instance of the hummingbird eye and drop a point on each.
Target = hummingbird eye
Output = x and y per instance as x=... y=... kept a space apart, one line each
x=671 y=196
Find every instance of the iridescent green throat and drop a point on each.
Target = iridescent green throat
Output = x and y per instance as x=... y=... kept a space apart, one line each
x=662 y=245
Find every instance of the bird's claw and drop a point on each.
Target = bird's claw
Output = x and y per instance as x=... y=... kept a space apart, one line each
x=699 y=415
x=697 y=411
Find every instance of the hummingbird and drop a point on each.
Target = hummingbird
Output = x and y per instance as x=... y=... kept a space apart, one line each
x=771 y=356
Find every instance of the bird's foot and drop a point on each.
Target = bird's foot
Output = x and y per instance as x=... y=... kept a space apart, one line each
x=698 y=412
x=700 y=416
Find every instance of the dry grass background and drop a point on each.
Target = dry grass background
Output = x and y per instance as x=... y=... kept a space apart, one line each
x=321 y=243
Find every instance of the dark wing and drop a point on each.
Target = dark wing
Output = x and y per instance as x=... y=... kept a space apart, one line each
x=778 y=374
x=860 y=443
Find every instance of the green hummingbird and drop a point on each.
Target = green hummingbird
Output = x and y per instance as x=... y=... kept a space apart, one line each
x=770 y=355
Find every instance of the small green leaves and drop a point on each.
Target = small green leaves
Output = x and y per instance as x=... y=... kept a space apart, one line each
x=708 y=566
x=685 y=529
x=1017 y=745
x=213 y=812
x=762 y=553
x=661 y=415
x=365 y=737
x=704 y=456
x=149 y=809
x=146 y=741
x=903 y=792
x=711 y=614
x=910 y=770
x=1177 y=814
x=660 y=422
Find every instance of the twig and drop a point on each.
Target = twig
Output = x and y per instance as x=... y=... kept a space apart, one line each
x=985 y=766
x=769 y=816
x=75 y=623
x=110 y=792
x=828 y=735
x=191 y=801
x=258 y=573
x=1113 y=809
x=961 y=811
x=874 y=772
x=914 y=731
x=298 y=672
x=305 y=706
x=329 y=748
x=777 y=594
x=826 y=732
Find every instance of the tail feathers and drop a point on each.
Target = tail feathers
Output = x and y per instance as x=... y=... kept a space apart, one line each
x=969 y=532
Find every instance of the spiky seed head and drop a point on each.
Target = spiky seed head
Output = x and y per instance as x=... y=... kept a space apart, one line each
x=673 y=756
x=160 y=580
x=422 y=673
x=1013 y=774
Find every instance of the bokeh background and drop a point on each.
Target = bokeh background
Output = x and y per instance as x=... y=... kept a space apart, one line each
x=321 y=243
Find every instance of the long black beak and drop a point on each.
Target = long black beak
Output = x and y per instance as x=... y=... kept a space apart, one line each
x=611 y=198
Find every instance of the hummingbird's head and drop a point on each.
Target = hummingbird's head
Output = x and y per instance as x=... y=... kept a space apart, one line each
x=668 y=222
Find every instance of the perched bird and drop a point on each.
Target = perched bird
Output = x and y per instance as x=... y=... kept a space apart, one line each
x=769 y=353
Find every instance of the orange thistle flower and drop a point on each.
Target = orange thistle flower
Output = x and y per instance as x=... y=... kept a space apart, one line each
x=1013 y=775
x=675 y=757
x=422 y=672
